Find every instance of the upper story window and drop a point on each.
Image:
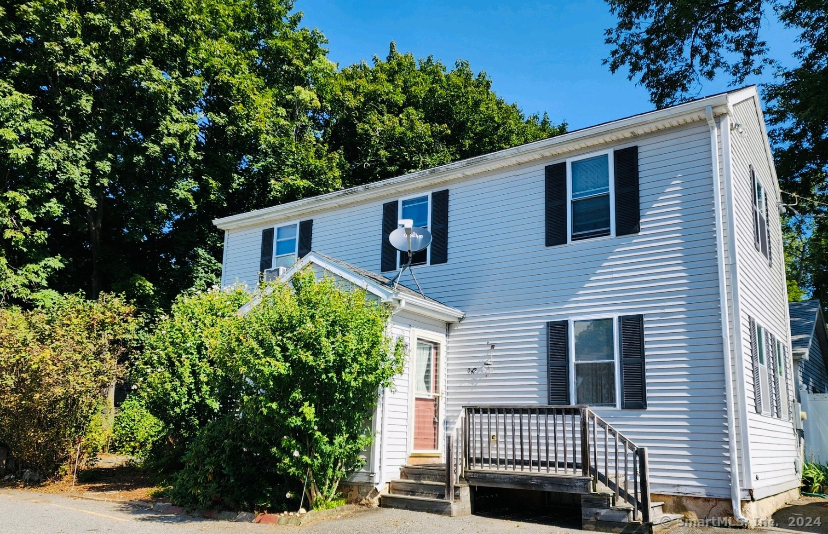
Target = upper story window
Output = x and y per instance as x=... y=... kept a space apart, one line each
x=417 y=209
x=761 y=216
x=285 y=249
x=590 y=192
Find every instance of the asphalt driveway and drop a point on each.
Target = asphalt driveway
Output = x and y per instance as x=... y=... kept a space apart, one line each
x=37 y=513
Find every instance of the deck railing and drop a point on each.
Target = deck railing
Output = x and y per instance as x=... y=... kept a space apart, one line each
x=563 y=440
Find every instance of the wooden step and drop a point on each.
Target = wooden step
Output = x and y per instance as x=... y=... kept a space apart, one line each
x=424 y=473
x=418 y=488
x=426 y=504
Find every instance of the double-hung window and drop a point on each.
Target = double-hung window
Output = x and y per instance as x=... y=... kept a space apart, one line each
x=764 y=382
x=761 y=235
x=781 y=364
x=595 y=362
x=417 y=209
x=285 y=246
x=590 y=196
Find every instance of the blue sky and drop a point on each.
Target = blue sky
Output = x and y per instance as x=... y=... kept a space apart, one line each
x=545 y=56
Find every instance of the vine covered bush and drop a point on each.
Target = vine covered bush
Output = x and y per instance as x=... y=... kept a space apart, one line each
x=271 y=402
x=56 y=362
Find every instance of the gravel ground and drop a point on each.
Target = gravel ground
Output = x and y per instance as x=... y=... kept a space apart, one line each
x=28 y=512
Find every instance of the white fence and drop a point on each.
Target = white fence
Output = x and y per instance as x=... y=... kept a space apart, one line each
x=815 y=427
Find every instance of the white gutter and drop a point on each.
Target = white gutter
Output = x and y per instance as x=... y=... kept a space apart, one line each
x=735 y=490
x=735 y=297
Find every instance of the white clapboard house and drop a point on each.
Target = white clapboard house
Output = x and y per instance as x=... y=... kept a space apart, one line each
x=603 y=312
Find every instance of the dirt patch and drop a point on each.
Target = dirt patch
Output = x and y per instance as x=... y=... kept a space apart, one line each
x=113 y=478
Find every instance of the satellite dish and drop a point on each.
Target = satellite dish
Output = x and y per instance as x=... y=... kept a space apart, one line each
x=420 y=239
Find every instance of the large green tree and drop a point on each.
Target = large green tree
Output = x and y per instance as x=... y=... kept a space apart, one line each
x=672 y=47
x=401 y=115
x=144 y=119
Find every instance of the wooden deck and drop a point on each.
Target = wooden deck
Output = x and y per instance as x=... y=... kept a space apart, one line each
x=559 y=483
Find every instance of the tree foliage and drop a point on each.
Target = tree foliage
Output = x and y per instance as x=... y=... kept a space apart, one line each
x=141 y=120
x=401 y=115
x=672 y=47
x=55 y=362
x=256 y=403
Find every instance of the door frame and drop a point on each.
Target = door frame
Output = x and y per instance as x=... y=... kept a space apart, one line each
x=440 y=339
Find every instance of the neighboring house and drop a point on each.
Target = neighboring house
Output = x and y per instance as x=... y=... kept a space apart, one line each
x=634 y=267
x=809 y=343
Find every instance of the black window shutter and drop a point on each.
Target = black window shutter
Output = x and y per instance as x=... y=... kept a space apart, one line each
x=754 y=353
x=633 y=369
x=388 y=258
x=305 y=237
x=439 y=226
x=556 y=204
x=266 y=257
x=755 y=210
x=557 y=352
x=627 y=203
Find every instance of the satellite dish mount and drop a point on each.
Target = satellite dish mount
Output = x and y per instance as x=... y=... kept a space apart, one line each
x=409 y=239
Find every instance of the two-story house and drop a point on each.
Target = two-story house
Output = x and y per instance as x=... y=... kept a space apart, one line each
x=618 y=284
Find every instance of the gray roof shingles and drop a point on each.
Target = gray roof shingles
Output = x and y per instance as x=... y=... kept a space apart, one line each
x=803 y=320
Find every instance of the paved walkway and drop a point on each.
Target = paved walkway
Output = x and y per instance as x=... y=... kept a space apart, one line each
x=36 y=513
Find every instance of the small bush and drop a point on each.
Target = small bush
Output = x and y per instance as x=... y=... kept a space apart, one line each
x=815 y=478
x=136 y=429
x=56 y=362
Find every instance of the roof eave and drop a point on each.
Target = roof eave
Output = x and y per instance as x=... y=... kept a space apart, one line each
x=614 y=131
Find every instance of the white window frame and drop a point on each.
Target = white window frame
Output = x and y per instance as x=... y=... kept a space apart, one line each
x=763 y=213
x=428 y=224
x=415 y=334
x=616 y=342
x=276 y=238
x=781 y=365
x=611 y=172
x=764 y=377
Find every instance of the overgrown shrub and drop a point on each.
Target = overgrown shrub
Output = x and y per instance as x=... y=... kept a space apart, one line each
x=177 y=377
x=265 y=401
x=136 y=430
x=56 y=361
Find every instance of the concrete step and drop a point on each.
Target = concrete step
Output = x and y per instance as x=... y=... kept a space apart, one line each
x=426 y=504
x=418 y=488
x=424 y=473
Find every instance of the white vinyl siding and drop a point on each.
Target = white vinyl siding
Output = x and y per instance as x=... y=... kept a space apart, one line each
x=510 y=285
x=762 y=295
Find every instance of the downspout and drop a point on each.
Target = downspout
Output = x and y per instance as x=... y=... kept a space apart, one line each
x=735 y=490
x=380 y=481
x=741 y=398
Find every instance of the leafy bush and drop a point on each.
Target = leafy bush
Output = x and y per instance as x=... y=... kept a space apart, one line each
x=177 y=376
x=815 y=477
x=55 y=363
x=136 y=429
x=265 y=401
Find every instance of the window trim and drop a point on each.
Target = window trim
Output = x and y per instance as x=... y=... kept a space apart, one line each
x=616 y=343
x=762 y=215
x=762 y=354
x=276 y=227
x=400 y=201
x=611 y=177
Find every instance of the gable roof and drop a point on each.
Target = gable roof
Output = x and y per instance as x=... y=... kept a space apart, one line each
x=373 y=283
x=613 y=131
x=807 y=324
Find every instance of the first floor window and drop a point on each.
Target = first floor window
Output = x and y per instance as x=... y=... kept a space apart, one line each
x=595 y=362
x=781 y=364
x=764 y=382
x=590 y=197
x=285 y=249
x=415 y=209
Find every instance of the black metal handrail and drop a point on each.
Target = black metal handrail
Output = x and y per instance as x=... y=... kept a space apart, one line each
x=564 y=440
